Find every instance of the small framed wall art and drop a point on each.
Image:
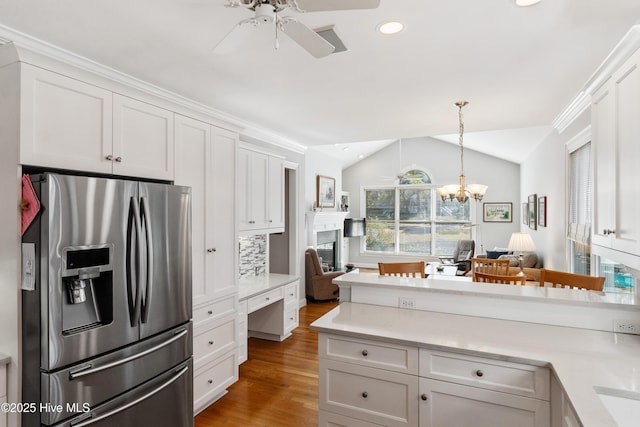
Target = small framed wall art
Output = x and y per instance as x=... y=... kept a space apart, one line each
x=542 y=211
x=497 y=212
x=525 y=213
x=326 y=192
x=532 y=211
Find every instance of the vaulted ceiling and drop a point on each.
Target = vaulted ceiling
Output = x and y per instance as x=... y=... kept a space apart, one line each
x=517 y=66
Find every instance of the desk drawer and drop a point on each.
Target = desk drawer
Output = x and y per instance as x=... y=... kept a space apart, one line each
x=263 y=300
x=291 y=293
x=393 y=357
x=507 y=377
x=213 y=342
x=369 y=394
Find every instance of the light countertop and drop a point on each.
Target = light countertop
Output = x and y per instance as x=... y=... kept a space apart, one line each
x=580 y=358
x=465 y=287
x=254 y=285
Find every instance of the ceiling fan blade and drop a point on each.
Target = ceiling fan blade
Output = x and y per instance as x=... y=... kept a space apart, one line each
x=234 y=38
x=326 y=5
x=307 y=38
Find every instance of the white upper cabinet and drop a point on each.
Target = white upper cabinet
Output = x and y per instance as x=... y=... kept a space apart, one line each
x=616 y=136
x=142 y=139
x=68 y=124
x=205 y=159
x=261 y=192
x=64 y=123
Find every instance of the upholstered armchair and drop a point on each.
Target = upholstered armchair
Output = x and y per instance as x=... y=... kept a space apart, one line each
x=318 y=282
x=462 y=256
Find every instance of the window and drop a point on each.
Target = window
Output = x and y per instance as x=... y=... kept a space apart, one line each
x=580 y=205
x=410 y=218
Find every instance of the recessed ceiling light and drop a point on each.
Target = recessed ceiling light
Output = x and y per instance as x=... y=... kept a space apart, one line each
x=524 y=3
x=390 y=27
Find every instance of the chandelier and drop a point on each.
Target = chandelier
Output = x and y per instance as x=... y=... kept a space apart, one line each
x=460 y=192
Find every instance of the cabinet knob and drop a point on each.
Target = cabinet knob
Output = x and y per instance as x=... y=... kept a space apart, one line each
x=211 y=342
x=423 y=396
x=365 y=353
x=365 y=394
x=210 y=381
x=606 y=232
x=109 y=157
x=210 y=312
x=210 y=250
x=479 y=373
x=270 y=220
x=118 y=159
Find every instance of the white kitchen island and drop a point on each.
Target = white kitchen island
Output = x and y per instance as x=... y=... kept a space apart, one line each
x=435 y=362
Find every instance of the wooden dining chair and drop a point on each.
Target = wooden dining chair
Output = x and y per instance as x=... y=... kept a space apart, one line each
x=562 y=279
x=489 y=266
x=504 y=279
x=406 y=269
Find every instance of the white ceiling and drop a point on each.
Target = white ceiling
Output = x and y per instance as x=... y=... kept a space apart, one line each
x=518 y=67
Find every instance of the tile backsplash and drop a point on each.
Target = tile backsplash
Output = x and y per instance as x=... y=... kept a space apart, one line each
x=253 y=255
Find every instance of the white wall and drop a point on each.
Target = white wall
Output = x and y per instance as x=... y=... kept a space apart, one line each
x=317 y=163
x=441 y=161
x=544 y=173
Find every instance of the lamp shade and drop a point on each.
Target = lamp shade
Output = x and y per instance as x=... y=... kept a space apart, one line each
x=521 y=242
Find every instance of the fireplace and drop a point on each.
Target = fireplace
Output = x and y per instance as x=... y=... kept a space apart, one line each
x=324 y=233
x=326 y=247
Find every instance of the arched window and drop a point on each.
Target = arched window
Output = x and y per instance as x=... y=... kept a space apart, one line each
x=414 y=176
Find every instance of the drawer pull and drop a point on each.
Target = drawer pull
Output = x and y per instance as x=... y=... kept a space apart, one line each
x=210 y=250
x=365 y=394
x=479 y=373
x=210 y=312
x=267 y=298
x=423 y=396
x=365 y=353
x=210 y=381
x=211 y=342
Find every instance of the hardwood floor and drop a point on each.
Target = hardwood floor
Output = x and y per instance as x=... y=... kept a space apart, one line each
x=278 y=385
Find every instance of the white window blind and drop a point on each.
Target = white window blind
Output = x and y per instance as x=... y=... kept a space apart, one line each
x=580 y=195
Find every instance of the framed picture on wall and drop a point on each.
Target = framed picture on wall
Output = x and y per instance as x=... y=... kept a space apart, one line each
x=542 y=211
x=525 y=213
x=532 y=211
x=497 y=212
x=326 y=192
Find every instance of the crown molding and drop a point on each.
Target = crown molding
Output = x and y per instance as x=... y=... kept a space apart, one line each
x=620 y=53
x=23 y=41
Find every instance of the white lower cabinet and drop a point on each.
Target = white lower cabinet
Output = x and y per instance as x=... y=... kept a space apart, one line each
x=243 y=324
x=211 y=380
x=370 y=382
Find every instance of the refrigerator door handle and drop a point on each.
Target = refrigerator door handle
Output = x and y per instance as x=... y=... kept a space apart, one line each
x=89 y=370
x=146 y=221
x=134 y=272
x=90 y=421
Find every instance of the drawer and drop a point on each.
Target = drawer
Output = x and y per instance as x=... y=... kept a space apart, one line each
x=291 y=318
x=214 y=310
x=393 y=357
x=291 y=292
x=369 y=394
x=507 y=377
x=329 y=419
x=211 y=380
x=213 y=342
x=264 y=299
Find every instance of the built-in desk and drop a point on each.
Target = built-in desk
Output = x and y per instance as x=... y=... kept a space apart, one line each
x=268 y=308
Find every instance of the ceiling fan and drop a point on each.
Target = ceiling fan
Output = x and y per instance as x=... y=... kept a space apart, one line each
x=268 y=12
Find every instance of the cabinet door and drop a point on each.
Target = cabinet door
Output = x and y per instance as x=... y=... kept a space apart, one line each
x=193 y=155
x=243 y=180
x=626 y=236
x=445 y=404
x=603 y=158
x=221 y=267
x=259 y=190
x=64 y=123
x=276 y=193
x=143 y=140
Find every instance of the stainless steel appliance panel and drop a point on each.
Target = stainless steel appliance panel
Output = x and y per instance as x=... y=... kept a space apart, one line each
x=165 y=213
x=97 y=380
x=165 y=401
x=81 y=212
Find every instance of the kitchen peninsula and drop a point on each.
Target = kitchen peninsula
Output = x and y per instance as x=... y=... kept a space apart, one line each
x=450 y=352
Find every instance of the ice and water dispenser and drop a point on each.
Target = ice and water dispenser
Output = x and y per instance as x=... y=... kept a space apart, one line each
x=87 y=285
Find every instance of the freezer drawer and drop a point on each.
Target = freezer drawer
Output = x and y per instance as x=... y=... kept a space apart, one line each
x=98 y=380
x=165 y=401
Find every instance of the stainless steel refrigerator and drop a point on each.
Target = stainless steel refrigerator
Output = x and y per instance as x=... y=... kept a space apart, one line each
x=107 y=334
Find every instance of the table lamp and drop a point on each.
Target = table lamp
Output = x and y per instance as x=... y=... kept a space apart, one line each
x=521 y=242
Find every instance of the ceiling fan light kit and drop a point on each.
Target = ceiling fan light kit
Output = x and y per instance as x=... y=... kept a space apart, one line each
x=525 y=3
x=460 y=191
x=268 y=12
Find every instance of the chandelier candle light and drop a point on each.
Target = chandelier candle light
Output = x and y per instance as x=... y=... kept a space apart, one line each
x=460 y=192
